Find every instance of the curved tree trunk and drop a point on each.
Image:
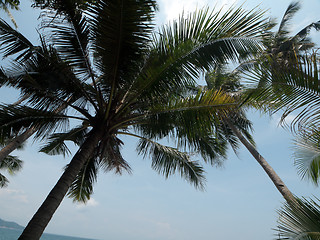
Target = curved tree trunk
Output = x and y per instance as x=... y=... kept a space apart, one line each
x=41 y=218
x=20 y=139
x=16 y=142
x=282 y=188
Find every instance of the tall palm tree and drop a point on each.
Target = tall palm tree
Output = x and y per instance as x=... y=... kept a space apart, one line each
x=13 y=4
x=229 y=82
x=284 y=47
x=287 y=80
x=295 y=92
x=106 y=68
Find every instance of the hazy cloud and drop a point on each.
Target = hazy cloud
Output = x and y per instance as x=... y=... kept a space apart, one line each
x=13 y=195
x=91 y=203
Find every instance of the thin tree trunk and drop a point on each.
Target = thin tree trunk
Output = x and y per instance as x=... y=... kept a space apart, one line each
x=285 y=192
x=41 y=218
x=16 y=142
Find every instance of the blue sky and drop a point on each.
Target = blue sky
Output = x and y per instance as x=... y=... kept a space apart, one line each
x=239 y=201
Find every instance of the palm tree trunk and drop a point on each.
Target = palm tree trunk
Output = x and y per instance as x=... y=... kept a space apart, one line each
x=282 y=188
x=16 y=142
x=41 y=218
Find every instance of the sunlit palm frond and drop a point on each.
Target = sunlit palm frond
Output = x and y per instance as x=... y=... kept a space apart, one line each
x=295 y=90
x=307 y=154
x=197 y=113
x=299 y=221
x=182 y=50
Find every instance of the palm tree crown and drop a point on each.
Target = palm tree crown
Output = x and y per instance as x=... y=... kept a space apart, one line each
x=104 y=67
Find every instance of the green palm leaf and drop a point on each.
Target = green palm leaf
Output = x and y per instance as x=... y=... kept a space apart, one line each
x=70 y=35
x=56 y=142
x=307 y=154
x=299 y=221
x=167 y=160
x=82 y=187
x=292 y=90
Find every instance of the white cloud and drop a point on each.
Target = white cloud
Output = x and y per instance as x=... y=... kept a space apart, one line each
x=91 y=203
x=173 y=8
x=13 y=195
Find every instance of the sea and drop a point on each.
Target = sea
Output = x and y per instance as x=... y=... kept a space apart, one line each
x=13 y=234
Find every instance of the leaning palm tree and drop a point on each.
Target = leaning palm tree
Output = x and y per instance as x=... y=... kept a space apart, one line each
x=229 y=82
x=13 y=4
x=294 y=92
x=286 y=79
x=103 y=67
x=284 y=47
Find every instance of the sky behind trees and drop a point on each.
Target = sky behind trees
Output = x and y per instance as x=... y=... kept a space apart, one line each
x=239 y=201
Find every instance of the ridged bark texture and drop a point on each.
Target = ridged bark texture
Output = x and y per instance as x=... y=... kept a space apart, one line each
x=282 y=188
x=41 y=218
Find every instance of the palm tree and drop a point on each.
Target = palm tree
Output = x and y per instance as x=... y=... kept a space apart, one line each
x=281 y=46
x=13 y=4
x=104 y=67
x=299 y=222
x=229 y=82
x=287 y=80
x=295 y=92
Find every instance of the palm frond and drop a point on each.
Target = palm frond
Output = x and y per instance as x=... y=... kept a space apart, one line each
x=287 y=17
x=197 y=114
x=110 y=157
x=292 y=90
x=82 y=187
x=192 y=44
x=56 y=142
x=307 y=154
x=11 y=164
x=167 y=160
x=69 y=33
x=299 y=221
x=13 y=42
x=14 y=119
x=121 y=36
x=3 y=181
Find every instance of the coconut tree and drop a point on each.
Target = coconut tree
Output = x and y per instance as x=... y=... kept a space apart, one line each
x=104 y=67
x=229 y=82
x=284 y=46
x=294 y=92
x=12 y=4
x=286 y=79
